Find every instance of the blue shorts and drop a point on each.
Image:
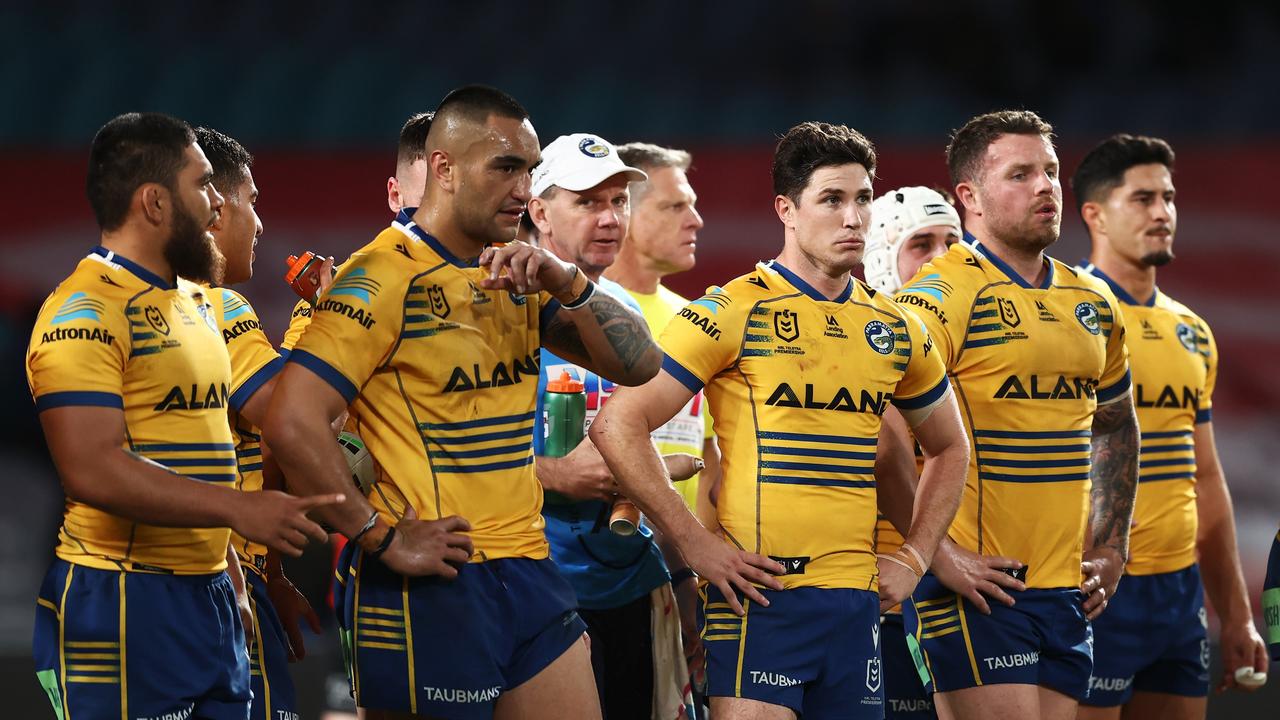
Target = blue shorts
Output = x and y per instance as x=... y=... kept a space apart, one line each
x=1271 y=599
x=273 y=694
x=343 y=571
x=814 y=650
x=449 y=648
x=906 y=686
x=112 y=644
x=1152 y=637
x=1044 y=639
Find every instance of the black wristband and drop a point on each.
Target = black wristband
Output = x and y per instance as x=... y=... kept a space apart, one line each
x=582 y=298
x=386 y=543
x=680 y=576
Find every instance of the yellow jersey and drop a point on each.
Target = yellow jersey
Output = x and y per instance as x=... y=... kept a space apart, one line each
x=441 y=375
x=114 y=334
x=1175 y=365
x=1030 y=365
x=797 y=385
x=686 y=432
x=254 y=361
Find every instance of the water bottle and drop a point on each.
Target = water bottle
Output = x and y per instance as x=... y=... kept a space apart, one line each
x=564 y=415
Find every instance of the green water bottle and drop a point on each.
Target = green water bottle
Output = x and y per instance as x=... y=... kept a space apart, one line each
x=564 y=415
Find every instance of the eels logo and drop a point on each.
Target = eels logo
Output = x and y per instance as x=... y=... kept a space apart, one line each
x=591 y=147
x=879 y=337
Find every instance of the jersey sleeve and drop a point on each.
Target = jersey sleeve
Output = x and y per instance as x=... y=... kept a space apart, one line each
x=1209 y=349
x=298 y=322
x=79 y=348
x=1115 y=381
x=941 y=307
x=924 y=380
x=704 y=338
x=254 y=360
x=356 y=323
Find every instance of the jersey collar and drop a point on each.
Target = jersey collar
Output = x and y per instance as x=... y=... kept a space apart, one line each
x=142 y=273
x=1121 y=294
x=1003 y=267
x=404 y=218
x=805 y=287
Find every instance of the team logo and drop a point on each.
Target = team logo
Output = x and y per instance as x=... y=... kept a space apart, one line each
x=592 y=147
x=203 y=310
x=156 y=320
x=787 y=325
x=1204 y=619
x=879 y=337
x=78 y=307
x=1008 y=312
x=873 y=675
x=1087 y=314
x=357 y=284
x=439 y=303
x=1204 y=653
x=1187 y=336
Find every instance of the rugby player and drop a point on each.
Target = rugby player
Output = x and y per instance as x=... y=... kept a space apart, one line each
x=1156 y=664
x=799 y=362
x=431 y=332
x=1036 y=351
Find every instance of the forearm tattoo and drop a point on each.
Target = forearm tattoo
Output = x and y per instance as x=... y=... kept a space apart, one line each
x=1114 y=471
x=626 y=331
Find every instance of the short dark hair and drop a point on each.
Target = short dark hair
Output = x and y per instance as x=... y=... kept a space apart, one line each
x=129 y=151
x=413 y=139
x=227 y=156
x=1103 y=169
x=969 y=144
x=477 y=102
x=812 y=145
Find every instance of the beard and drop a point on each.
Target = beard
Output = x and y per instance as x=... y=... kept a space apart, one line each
x=1157 y=258
x=1028 y=236
x=191 y=252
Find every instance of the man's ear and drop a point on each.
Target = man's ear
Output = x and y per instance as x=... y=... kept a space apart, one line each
x=441 y=170
x=786 y=210
x=1094 y=218
x=154 y=201
x=537 y=210
x=967 y=194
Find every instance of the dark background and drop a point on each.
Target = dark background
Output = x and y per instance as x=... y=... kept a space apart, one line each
x=318 y=93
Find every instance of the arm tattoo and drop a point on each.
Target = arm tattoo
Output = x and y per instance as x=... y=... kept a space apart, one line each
x=563 y=338
x=1114 y=471
x=626 y=332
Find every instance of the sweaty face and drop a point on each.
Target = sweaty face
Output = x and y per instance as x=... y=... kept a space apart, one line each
x=1019 y=193
x=492 y=182
x=1140 y=218
x=831 y=220
x=190 y=249
x=586 y=228
x=665 y=223
x=923 y=246
x=239 y=229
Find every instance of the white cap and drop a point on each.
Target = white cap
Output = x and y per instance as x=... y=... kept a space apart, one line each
x=580 y=162
x=896 y=216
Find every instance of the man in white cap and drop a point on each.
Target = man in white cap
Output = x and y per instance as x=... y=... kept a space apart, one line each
x=581 y=209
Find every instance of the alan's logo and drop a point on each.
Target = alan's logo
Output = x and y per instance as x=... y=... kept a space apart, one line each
x=1008 y=312
x=1168 y=397
x=439 y=303
x=842 y=400
x=1037 y=388
x=787 y=325
x=212 y=398
x=156 y=320
x=500 y=375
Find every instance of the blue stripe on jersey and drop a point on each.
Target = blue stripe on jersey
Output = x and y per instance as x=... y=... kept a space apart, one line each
x=336 y=380
x=985 y=328
x=1166 y=434
x=1144 y=464
x=480 y=422
x=488 y=467
x=243 y=453
x=806 y=437
x=1166 y=476
x=987 y=447
x=1069 y=462
x=213 y=478
x=817 y=452
x=823 y=482
x=254 y=383
x=184 y=447
x=681 y=373
x=986 y=342
x=78 y=398
x=1120 y=387
x=1018 y=434
x=843 y=469
x=483 y=452
x=924 y=399
x=1000 y=477
x=1152 y=449
x=251 y=467
x=195 y=462
x=467 y=439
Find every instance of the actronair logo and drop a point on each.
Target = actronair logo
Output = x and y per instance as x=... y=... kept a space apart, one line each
x=78 y=307
x=458 y=695
x=356 y=284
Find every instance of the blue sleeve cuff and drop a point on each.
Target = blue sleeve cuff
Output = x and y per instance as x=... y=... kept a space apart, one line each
x=284 y=355
x=1204 y=416
x=337 y=380
x=923 y=400
x=1121 y=386
x=548 y=311
x=681 y=373
x=79 y=398
x=255 y=381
